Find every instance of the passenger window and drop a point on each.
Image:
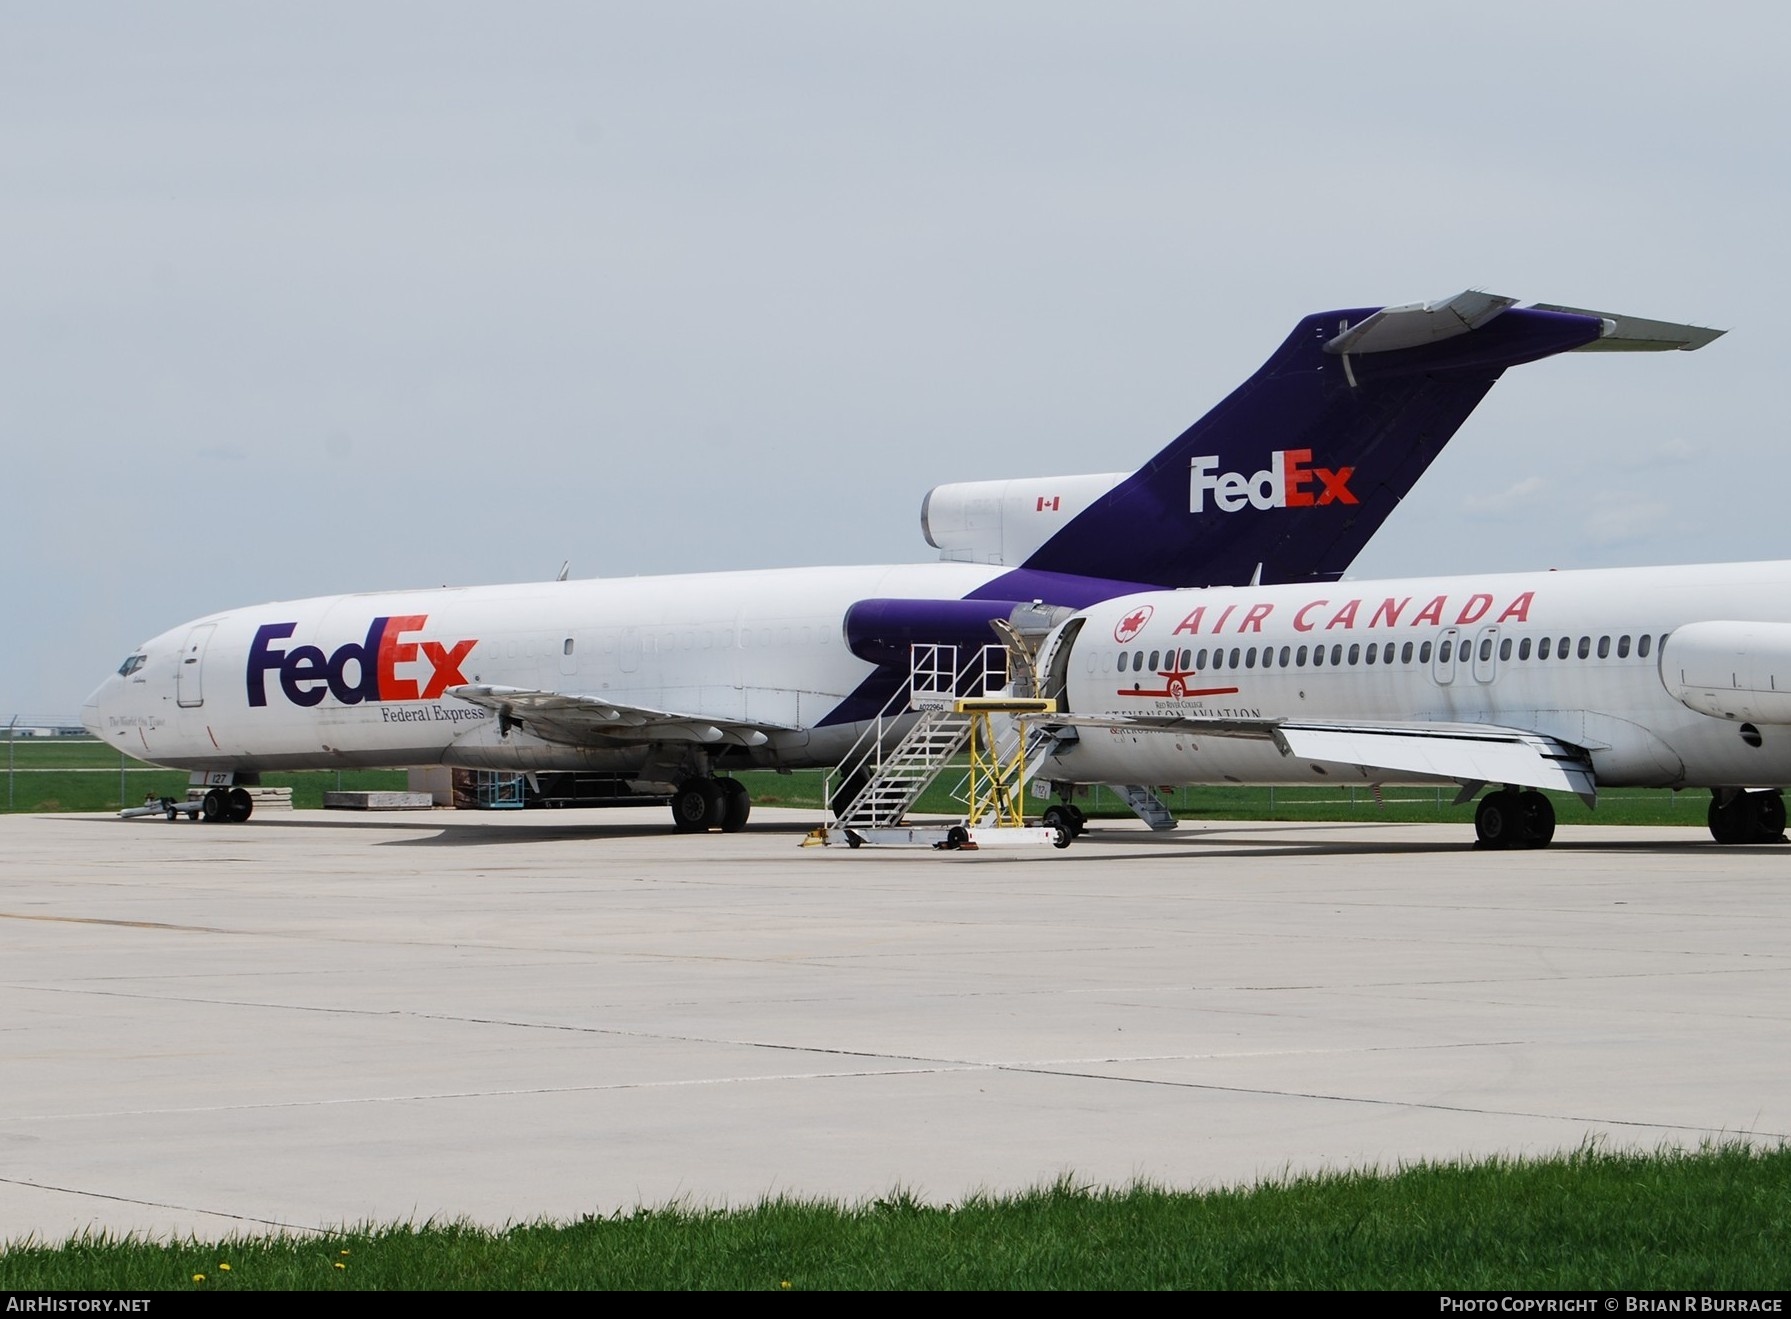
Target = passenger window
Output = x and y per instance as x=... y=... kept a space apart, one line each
x=1544 y=648
x=1424 y=653
x=1300 y=656
x=1505 y=649
x=1485 y=649
x=1125 y=658
x=1523 y=649
x=1354 y=653
x=1623 y=646
x=1200 y=659
x=1337 y=654
x=1187 y=657
x=1444 y=651
x=1585 y=647
x=1234 y=657
x=1604 y=648
x=1318 y=656
x=1642 y=646
x=1155 y=655
x=1286 y=653
x=1405 y=653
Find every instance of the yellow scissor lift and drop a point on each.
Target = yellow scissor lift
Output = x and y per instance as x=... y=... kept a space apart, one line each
x=944 y=722
x=997 y=786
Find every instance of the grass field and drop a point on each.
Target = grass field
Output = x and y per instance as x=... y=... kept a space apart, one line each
x=58 y=774
x=76 y=774
x=1718 y=1219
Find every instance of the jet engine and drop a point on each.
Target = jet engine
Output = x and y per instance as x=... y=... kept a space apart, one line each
x=1738 y=671
x=1005 y=521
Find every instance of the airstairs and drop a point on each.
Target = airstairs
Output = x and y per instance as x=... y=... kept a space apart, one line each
x=1147 y=806
x=950 y=706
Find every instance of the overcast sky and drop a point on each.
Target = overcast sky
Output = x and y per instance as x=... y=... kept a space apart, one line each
x=313 y=298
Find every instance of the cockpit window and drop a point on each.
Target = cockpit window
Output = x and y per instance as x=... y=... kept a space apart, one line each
x=131 y=665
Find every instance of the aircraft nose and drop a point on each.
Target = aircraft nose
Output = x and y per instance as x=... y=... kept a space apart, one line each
x=93 y=709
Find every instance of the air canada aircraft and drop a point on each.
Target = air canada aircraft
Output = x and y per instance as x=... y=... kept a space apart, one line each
x=1673 y=677
x=665 y=683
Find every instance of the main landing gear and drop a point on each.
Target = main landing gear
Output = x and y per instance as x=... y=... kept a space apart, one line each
x=1067 y=818
x=1509 y=818
x=1746 y=817
x=702 y=804
x=226 y=805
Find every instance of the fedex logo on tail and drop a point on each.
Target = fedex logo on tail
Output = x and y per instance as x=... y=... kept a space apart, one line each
x=359 y=671
x=1289 y=481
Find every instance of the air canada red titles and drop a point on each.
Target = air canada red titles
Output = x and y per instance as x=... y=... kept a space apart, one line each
x=1326 y=614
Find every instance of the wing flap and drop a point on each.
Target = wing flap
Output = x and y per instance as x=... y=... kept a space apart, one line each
x=1467 y=753
x=1489 y=755
x=574 y=718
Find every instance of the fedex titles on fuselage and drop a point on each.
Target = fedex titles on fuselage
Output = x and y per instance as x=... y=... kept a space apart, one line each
x=367 y=671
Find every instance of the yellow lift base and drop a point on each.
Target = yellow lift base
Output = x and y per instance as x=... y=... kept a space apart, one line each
x=997 y=790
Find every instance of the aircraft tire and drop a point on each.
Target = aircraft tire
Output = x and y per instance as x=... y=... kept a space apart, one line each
x=1767 y=810
x=1496 y=820
x=240 y=806
x=690 y=807
x=716 y=800
x=736 y=805
x=1059 y=817
x=1535 y=819
x=215 y=806
x=848 y=790
x=1078 y=820
x=1729 y=821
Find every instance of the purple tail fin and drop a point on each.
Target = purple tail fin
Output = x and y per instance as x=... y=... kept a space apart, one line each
x=1288 y=477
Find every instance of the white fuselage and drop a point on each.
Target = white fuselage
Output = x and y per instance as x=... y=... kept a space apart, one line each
x=1574 y=656
x=290 y=685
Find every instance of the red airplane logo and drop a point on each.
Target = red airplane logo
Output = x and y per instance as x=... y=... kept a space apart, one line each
x=1175 y=684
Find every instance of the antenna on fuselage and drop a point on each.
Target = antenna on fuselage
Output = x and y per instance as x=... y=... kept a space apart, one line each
x=566 y=570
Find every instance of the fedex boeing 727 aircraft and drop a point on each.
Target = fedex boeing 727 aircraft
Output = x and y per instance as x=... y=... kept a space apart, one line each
x=667 y=682
x=1657 y=677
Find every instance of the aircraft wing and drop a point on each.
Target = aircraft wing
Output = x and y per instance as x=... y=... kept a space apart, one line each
x=576 y=719
x=1470 y=753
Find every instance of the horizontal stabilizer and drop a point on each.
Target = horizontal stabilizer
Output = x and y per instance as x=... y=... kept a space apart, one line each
x=1419 y=323
x=1635 y=334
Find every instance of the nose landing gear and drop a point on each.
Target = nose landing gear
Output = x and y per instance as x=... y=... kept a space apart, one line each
x=227 y=805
